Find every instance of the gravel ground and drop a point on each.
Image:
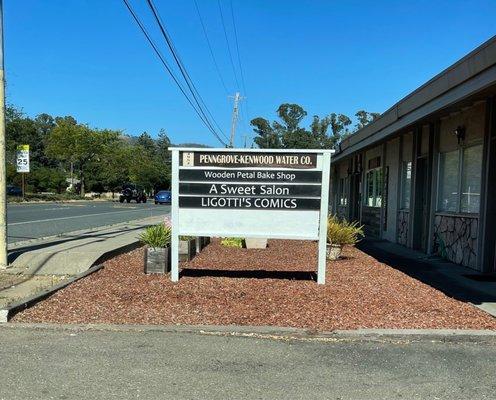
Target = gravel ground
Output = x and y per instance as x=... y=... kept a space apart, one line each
x=275 y=286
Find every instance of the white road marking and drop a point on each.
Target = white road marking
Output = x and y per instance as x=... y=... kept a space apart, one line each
x=76 y=216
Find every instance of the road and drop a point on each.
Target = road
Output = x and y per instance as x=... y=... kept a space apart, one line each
x=32 y=221
x=149 y=364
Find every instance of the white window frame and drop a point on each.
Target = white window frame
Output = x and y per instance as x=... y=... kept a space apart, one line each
x=460 y=152
x=375 y=187
x=343 y=192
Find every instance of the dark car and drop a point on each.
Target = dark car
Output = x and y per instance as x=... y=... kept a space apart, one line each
x=13 y=190
x=163 y=197
x=132 y=192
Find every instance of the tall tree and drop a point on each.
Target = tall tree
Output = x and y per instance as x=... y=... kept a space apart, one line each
x=291 y=115
x=287 y=133
x=364 y=118
x=78 y=144
x=146 y=141
x=267 y=137
x=162 y=145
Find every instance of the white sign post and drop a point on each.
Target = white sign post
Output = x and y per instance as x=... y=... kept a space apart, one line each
x=253 y=193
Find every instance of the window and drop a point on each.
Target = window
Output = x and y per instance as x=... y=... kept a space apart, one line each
x=343 y=183
x=460 y=180
x=471 y=179
x=374 y=187
x=448 y=181
x=406 y=184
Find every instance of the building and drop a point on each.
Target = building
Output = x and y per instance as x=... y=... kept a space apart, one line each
x=424 y=174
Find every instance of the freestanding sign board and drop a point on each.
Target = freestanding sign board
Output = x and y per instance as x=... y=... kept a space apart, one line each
x=278 y=194
x=22 y=158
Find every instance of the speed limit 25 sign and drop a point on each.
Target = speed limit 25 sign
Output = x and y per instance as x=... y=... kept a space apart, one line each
x=22 y=158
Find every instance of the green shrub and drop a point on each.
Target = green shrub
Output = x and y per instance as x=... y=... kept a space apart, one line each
x=156 y=236
x=343 y=232
x=232 y=242
x=182 y=237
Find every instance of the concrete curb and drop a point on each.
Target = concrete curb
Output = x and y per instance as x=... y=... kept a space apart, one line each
x=20 y=305
x=270 y=332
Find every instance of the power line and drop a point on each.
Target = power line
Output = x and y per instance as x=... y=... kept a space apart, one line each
x=189 y=82
x=237 y=48
x=244 y=109
x=227 y=42
x=169 y=70
x=210 y=48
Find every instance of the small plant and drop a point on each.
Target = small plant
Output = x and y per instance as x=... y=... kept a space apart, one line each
x=182 y=237
x=232 y=242
x=156 y=236
x=343 y=232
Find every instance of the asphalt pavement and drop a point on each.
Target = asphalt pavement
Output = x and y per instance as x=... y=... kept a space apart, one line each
x=151 y=364
x=32 y=221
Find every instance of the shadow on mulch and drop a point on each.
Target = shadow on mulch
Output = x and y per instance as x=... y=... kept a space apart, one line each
x=429 y=273
x=254 y=274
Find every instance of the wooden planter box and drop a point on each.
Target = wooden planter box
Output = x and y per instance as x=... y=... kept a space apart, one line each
x=201 y=243
x=157 y=261
x=187 y=249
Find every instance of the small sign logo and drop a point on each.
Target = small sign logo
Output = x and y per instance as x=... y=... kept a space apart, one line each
x=188 y=159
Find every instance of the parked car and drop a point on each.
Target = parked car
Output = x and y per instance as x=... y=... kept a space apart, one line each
x=130 y=192
x=14 y=190
x=163 y=197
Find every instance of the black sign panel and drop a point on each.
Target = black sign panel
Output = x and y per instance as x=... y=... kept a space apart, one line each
x=259 y=203
x=246 y=175
x=248 y=159
x=253 y=189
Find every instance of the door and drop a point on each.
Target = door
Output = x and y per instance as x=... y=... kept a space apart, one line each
x=421 y=210
x=355 y=197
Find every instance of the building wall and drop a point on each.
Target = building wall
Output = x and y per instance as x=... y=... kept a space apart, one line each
x=456 y=236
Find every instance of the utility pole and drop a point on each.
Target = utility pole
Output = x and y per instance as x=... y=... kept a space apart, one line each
x=234 y=120
x=3 y=177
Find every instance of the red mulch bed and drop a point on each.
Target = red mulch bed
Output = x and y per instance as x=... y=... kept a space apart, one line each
x=225 y=286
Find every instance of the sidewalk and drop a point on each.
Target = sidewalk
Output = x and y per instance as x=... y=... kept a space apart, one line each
x=436 y=272
x=39 y=265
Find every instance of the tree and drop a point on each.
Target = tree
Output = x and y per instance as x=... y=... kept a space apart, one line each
x=291 y=115
x=146 y=170
x=267 y=138
x=78 y=144
x=364 y=118
x=20 y=130
x=162 y=147
x=146 y=141
x=112 y=171
x=288 y=134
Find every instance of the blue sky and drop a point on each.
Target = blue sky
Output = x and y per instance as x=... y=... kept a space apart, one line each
x=88 y=59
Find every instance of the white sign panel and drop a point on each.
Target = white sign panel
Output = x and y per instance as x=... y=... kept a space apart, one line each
x=250 y=193
x=22 y=158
